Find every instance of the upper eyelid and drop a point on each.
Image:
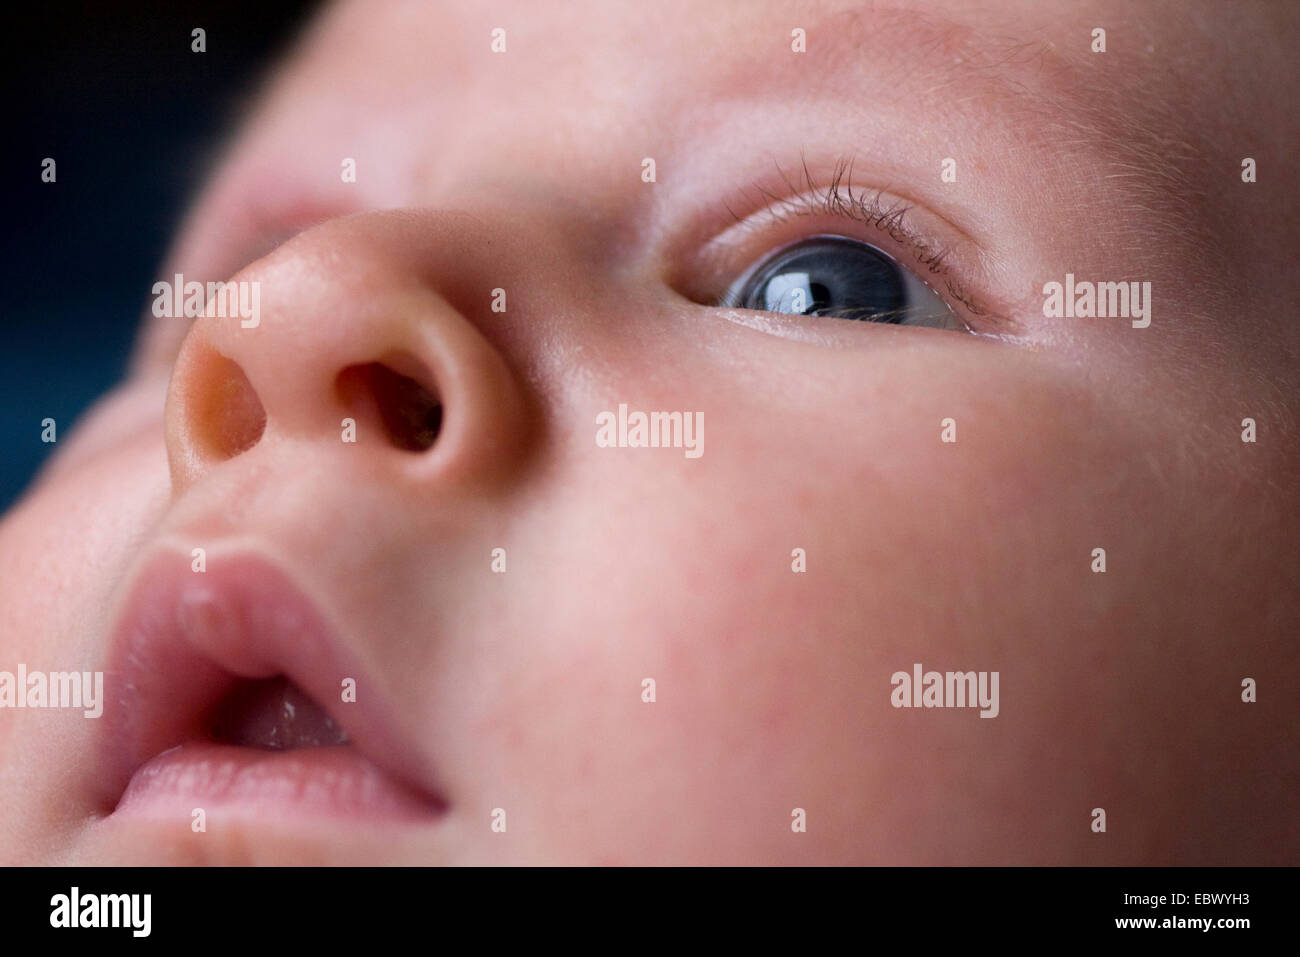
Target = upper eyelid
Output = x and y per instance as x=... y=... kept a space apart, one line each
x=889 y=217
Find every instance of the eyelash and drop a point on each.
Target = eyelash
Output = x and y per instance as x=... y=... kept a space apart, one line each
x=838 y=199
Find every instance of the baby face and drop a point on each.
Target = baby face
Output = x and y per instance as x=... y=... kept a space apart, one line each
x=649 y=436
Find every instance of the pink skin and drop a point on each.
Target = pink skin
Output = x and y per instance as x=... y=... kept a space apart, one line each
x=522 y=171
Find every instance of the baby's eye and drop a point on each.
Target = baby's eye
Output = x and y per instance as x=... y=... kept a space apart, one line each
x=842 y=278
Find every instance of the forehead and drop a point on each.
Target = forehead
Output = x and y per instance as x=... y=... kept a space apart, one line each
x=600 y=73
x=418 y=89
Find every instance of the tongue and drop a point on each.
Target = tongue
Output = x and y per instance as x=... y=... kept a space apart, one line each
x=274 y=714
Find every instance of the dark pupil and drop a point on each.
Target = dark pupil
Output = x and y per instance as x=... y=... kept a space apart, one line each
x=829 y=277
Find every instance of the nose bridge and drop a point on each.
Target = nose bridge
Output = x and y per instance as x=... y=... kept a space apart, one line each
x=352 y=348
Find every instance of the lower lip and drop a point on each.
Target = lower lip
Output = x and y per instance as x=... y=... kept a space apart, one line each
x=329 y=782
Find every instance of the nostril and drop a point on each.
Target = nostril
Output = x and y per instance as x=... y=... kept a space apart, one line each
x=226 y=414
x=410 y=415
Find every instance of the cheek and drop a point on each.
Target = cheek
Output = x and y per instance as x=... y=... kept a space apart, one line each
x=63 y=550
x=773 y=683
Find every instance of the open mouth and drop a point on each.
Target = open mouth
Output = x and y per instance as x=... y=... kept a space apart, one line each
x=231 y=694
x=273 y=714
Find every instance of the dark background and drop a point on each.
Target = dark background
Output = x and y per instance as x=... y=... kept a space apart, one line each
x=132 y=118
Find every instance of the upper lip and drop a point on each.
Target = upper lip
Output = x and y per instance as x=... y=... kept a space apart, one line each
x=183 y=640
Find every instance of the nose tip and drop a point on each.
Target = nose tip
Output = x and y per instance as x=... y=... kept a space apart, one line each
x=354 y=351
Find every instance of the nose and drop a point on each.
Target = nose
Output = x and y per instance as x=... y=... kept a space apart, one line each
x=344 y=341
